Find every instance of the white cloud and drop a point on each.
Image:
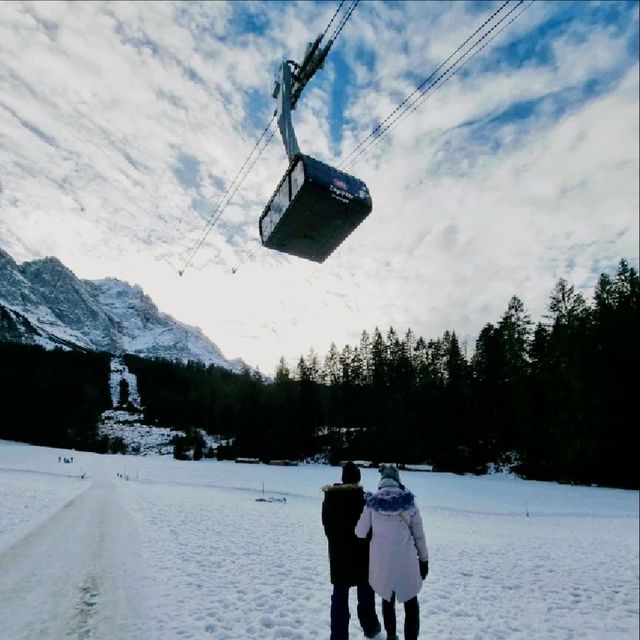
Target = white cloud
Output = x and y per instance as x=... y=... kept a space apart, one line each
x=101 y=103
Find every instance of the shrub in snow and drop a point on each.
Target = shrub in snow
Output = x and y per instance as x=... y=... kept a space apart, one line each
x=117 y=445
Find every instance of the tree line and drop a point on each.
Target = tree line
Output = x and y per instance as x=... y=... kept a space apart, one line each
x=53 y=398
x=555 y=399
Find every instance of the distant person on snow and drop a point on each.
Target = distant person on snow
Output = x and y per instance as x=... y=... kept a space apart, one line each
x=399 y=559
x=348 y=555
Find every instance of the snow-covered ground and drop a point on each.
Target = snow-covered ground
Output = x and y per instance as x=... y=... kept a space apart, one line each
x=183 y=550
x=119 y=371
x=137 y=436
x=142 y=438
x=128 y=425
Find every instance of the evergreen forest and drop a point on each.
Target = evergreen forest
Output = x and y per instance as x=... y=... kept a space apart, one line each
x=53 y=398
x=555 y=400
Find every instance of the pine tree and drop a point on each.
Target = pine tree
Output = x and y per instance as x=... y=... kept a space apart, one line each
x=364 y=348
x=332 y=369
x=282 y=371
x=123 y=396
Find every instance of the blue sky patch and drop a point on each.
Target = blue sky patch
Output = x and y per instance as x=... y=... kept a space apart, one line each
x=139 y=41
x=45 y=137
x=258 y=107
x=216 y=181
x=186 y=170
x=462 y=147
x=574 y=19
x=129 y=158
x=202 y=206
x=338 y=101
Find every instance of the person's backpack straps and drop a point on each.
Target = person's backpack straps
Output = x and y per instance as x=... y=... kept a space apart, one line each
x=404 y=519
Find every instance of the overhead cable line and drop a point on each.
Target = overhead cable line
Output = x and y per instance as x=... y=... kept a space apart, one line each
x=423 y=94
x=240 y=177
x=337 y=11
x=345 y=19
x=247 y=257
x=439 y=81
x=423 y=98
x=228 y=194
x=221 y=205
x=417 y=90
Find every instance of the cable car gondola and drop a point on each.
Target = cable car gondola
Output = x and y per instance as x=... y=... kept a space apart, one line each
x=315 y=206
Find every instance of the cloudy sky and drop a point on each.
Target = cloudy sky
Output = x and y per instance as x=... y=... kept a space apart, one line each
x=122 y=124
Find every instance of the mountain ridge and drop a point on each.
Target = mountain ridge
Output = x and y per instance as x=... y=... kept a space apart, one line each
x=43 y=302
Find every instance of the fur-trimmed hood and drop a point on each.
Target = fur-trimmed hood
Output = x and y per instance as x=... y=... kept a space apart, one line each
x=390 y=500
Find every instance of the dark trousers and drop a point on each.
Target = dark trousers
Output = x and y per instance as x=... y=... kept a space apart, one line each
x=340 y=611
x=411 y=617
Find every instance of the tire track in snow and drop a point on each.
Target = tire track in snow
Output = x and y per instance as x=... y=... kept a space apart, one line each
x=76 y=575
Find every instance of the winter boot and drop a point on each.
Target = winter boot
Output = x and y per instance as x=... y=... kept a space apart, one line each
x=373 y=633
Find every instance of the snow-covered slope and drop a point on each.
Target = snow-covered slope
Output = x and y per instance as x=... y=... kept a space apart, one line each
x=43 y=302
x=127 y=422
x=119 y=372
x=144 y=439
x=32 y=319
x=159 y=549
x=145 y=331
x=72 y=303
x=16 y=327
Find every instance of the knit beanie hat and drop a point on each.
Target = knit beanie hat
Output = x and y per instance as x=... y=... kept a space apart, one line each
x=389 y=476
x=350 y=473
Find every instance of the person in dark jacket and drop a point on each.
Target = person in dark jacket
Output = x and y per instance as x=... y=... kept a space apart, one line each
x=348 y=555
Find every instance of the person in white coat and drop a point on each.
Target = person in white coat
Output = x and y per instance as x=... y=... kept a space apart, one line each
x=398 y=555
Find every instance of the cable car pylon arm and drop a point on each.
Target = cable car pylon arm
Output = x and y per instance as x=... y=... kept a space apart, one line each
x=313 y=60
x=283 y=112
x=293 y=78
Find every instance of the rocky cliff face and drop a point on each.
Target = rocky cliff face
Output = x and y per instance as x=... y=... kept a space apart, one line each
x=43 y=302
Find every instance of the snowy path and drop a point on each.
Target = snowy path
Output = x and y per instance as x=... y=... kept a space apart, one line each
x=74 y=576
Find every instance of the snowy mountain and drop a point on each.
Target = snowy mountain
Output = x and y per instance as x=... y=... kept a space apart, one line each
x=42 y=302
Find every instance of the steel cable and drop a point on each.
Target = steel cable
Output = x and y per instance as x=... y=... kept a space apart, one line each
x=337 y=11
x=345 y=19
x=424 y=94
x=419 y=87
x=217 y=209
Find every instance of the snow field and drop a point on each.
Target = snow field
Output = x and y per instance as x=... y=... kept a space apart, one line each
x=233 y=567
x=543 y=577
x=191 y=554
x=33 y=486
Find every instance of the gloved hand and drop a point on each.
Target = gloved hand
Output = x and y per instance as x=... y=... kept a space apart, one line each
x=424 y=568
